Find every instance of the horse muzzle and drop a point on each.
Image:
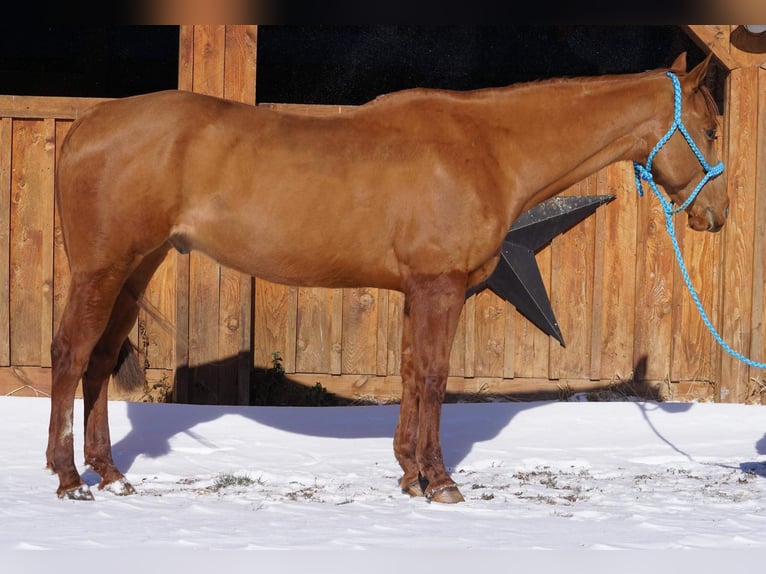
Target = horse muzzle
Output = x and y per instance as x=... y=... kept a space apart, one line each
x=708 y=220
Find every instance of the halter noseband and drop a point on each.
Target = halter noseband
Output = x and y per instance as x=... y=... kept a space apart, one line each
x=645 y=171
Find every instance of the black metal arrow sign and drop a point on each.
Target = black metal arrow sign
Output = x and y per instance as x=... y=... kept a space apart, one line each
x=517 y=277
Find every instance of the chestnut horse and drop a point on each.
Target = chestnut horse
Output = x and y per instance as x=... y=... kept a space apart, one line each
x=414 y=191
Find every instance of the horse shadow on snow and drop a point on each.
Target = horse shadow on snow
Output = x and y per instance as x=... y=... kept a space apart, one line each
x=153 y=425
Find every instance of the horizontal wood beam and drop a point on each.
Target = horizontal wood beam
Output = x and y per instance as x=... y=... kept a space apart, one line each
x=42 y=107
x=36 y=381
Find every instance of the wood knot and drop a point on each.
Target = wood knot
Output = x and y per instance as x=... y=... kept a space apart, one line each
x=366 y=300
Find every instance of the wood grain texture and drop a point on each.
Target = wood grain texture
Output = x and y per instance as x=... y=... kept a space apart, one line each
x=695 y=353
x=572 y=292
x=314 y=329
x=654 y=291
x=360 y=330
x=758 y=345
x=532 y=346
x=34 y=150
x=6 y=146
x=489 y=335
x=618 y=300
x=626 y=301
x=739 y=230
x=42 y=107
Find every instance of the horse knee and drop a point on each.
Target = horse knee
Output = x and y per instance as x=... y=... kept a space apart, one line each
x=63 y=361
x=434 y=387
x=58 y=352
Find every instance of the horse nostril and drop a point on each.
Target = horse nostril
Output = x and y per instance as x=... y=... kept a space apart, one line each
x=711 y=223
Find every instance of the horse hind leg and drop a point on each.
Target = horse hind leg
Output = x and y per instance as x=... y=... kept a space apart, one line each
x=112 y=347
x=87 y=312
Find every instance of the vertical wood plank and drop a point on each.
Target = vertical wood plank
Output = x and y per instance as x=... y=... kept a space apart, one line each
x=204 y=298
x=241 y=51
x=360 y=334
x=181 y=344
x=571 y=293
x=457 y=352
x=759 y=247
x=236 y=299
x=26 y=273
x=186 y=57
x=46 y=208
x=597 y=308
x=6 y=146
x=381 y=343
x=314 y=330
x=618 y=307
x=654 y=292
x=182 y=384
x=270 y=320
x=336 y=332
x=695 y=353
x=156 y=339
x=739 y=230
x=233 y=302
x=532 y=346
x=291 y=329
x=509 y=358
x=204 y=273
x=489 y=334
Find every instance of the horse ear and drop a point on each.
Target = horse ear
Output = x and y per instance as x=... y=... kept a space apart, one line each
x=697 y=75
x=679 y=65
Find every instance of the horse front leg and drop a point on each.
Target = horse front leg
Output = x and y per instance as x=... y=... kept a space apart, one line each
x=435 y=303
x=406 y=436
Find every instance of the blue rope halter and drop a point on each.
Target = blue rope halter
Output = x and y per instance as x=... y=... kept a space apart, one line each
x=644 y=172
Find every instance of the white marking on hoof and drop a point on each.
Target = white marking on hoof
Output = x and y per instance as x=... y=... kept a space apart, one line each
x=120 y=487
x=82 y=492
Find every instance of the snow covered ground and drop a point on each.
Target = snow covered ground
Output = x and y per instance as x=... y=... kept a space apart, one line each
x=568 y=477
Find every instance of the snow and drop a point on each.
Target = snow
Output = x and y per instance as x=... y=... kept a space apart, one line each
x=569 y=477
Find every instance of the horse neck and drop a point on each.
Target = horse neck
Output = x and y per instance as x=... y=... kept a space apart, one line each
x=573 y=128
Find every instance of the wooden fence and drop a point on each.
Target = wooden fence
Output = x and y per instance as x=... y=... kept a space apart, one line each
x=614 y=284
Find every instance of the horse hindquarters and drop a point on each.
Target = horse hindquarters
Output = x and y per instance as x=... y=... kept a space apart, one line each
x=432 y=311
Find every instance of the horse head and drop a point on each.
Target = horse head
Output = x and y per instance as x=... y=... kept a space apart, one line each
x=685 y=161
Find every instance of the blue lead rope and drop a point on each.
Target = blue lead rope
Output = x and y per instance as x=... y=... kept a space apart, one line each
x=644 y=172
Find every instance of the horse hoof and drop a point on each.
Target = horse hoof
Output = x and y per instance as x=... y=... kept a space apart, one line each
x=119 y=487
x=82 y=492
x=445 y=495
x=414 y=488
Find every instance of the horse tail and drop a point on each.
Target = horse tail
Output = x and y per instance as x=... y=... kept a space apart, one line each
x=128 y=374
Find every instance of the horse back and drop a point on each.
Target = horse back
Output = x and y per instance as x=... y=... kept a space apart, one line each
x=346 y=200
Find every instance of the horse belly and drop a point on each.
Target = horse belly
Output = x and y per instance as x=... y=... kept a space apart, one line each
x=283 y=251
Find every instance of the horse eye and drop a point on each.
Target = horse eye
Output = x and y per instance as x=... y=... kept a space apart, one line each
x=711 y=134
